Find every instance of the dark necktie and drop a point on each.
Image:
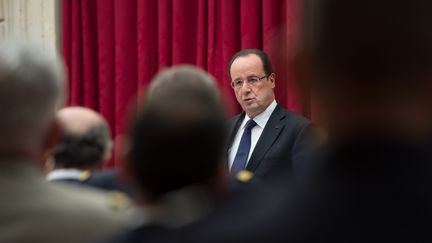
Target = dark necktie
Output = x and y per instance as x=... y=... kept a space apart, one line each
x=243 y=151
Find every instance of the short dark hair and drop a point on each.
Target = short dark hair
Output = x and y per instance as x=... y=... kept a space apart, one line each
x=82 y=150
x=178 y=137
x=267 y=65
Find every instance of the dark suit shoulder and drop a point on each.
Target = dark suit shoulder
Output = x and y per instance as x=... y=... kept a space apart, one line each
x=233 y=120
x=108 y=180
x=147 y=233
x=291 y=117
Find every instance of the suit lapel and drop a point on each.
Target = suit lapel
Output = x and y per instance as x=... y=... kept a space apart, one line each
x=269 y=135
x=232 y=130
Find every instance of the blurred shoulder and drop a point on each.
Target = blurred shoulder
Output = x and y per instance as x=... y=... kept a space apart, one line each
x=293 y=117
x=90 y=198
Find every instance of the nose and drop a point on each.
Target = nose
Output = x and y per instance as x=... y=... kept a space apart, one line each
x=245 y=87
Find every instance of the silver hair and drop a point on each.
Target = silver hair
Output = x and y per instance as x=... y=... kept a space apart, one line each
x=31 y=91
x=181 y=78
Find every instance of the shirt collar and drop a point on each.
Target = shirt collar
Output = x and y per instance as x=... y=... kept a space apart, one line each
x=64 y=174
x=261 y=119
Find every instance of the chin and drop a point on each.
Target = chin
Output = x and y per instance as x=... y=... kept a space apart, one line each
x=251 y=111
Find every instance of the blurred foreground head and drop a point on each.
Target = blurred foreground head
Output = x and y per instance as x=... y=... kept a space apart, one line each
x=86 y=142
x=178 y=138
x=31 y=90
x=369 y=64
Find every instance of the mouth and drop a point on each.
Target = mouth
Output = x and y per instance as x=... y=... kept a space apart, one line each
x=248 y=99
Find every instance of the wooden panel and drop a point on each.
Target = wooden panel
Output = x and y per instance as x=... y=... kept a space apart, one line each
x=35 y=20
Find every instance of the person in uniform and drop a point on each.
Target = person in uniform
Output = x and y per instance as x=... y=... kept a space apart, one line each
x=32 y=209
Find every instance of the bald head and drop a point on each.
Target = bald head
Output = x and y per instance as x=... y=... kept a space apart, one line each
x=78 y=120
x=86 y=141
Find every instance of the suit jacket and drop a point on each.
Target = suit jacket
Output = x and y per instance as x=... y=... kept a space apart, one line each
x=108 y=180
x=282 y=143
x=35 y=210
x=148 y=233
x=354 y=192
x=160 y=222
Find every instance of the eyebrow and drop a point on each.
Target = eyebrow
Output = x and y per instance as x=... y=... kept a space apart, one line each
x=250 y=76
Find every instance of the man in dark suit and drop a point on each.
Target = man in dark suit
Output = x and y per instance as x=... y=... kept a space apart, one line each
x=369 y=64
x=265 y=137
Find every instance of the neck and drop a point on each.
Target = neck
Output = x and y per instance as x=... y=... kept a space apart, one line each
x=254 y=114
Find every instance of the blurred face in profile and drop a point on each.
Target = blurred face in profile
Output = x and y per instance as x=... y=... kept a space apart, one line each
x=254 y=89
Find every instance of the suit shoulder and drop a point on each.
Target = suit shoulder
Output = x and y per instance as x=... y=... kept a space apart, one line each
x=91 y=200
x=75 y=211
x=233 y=120
x=236 y=117
x=294 y=118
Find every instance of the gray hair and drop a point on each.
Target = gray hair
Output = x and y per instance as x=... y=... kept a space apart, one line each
x=183 y=112
x=181 y=77
x=31 y=90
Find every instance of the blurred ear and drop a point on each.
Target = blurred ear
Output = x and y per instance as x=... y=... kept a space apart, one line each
x=272 y=79
x=125 y=158
x=52 y=139
x=107 y=155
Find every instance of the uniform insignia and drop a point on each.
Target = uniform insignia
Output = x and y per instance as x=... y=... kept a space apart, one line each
x=244 y=176
x=119 y=200
x=84 y=175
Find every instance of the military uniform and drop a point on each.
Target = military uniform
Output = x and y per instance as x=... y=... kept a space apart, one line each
x=105 y=180
x=34 y=210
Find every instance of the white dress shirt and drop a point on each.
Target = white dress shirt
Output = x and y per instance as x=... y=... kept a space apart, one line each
x=261 y=121
x=64 y=174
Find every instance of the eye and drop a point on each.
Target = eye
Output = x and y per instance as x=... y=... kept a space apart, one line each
x=237 y=83
x=253 y=79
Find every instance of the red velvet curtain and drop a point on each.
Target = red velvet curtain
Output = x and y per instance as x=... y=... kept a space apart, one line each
x=114 y=47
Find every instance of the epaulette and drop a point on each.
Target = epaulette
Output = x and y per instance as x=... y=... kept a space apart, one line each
x=85 y=175
x=119 y=200
x=244 y=176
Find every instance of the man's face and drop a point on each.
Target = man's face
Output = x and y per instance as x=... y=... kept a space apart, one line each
x=254 y=98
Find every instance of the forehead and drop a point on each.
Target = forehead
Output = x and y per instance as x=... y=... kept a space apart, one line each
x=246 y=66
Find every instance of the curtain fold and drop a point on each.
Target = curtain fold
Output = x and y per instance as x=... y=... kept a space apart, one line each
x=113 y=48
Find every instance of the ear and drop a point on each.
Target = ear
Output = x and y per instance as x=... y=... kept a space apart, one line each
x=125 y=158
x=53 y=136
x=51 y=140
x=107 y=155
x=272 y=79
